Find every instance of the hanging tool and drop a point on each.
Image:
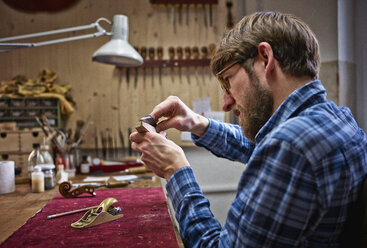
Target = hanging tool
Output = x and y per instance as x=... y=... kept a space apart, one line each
x=136 y=72
x=143 y=53
x=204 y=55
x=229 y=5
x=130 y=149
x=171 y=54
x=180 y=14
x=122 y=143
x=96 y=142
x=195 y=55
x=205 y=17
x=211 y=49
x=110 y=142
x=187 y=14
x=179 y=53
x=160 y=57
x=173 y=14
x=187 y=57
x=103 y=141
x=151 y=54
x=211 y=15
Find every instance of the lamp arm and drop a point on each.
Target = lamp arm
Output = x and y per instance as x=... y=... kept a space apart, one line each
x=9 y=46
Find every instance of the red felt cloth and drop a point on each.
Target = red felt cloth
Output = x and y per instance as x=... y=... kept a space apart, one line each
x=146 y=223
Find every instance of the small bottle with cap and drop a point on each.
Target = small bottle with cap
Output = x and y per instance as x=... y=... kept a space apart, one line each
x=38 y=180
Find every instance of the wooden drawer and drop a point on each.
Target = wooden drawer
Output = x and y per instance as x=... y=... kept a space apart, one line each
x=9 y=142
x=29 y=137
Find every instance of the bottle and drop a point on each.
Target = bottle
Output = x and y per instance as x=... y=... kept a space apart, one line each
x=61 y=175
x=38 y=180
x=35 y=158
x=84 y=167
x=46 y=154
x=48 y=170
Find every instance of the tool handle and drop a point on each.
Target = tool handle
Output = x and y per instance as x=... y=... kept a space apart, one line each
x=179 y=52
x=160 y=53
x=143 y=52
x=70 y=212
x=151 y=53
x=211 y=49
x=204 y=52
x=117 y=184
x=136 y=170
x=171 y=53
x=195 y=52
x=187 y=53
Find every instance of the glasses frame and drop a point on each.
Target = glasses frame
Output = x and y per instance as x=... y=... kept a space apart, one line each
x=225 y=83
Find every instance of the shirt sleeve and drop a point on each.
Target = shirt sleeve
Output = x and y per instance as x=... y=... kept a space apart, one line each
x=275 y=202
x=225 y=140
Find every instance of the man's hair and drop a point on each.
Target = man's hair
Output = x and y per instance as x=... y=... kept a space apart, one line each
x=294 y=44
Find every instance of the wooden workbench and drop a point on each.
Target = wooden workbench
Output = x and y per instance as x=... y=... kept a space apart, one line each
x=19 y=206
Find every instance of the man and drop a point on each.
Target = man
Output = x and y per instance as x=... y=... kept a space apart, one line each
x=306 y=157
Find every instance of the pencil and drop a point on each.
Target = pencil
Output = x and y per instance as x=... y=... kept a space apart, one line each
x=70 y=212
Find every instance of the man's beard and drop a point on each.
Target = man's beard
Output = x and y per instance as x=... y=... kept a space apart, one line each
x=258 y=107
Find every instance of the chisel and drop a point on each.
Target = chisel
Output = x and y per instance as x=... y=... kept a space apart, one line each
x=151 y=54
x=160 y=57
x=187 y=57
x=122 y=143
x=136 y=72
x=204 y=55
x=143 y=53
x=179 y=53
x=171 y=54
x=195 y=55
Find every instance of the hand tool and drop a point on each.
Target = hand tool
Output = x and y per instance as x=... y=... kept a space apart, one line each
x=110 y=142
x=171 y=54
x=143 y=53
x=96 y=142
x=103 y=141
x=195 y=55
x=115 y=153
x=136 y=72
x=188 y=57
x=151 y=54
x=160 y=57
x=147 y=124
x=127 y=70
x=130 y=149
x=205 y=17
x=187 y=14
x=70 y=212
x=180 y=14
x=179 y=53
x=229 y=5
x=211 y=49
x=105 y=212
x=204 y=55
x=211 y=15
x=173 y=14
x=122 y=143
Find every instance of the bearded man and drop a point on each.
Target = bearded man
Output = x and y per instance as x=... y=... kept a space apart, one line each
x=306 y=157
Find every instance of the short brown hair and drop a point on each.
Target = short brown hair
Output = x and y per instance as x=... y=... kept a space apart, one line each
x=294 y=44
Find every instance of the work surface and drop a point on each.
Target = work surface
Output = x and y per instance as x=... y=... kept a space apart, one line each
x=20 y=206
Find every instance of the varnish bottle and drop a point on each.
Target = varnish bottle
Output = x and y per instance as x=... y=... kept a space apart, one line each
x=38 y=180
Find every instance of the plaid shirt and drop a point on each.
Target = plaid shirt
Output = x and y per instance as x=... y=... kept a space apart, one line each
x=305 y=169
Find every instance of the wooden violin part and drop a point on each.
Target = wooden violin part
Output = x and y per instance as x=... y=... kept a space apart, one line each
x=66 y=190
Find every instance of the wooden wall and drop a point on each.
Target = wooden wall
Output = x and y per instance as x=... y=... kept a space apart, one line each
x=101 y=91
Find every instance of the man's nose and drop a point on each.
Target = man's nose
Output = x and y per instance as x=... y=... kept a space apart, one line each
x=227 y=102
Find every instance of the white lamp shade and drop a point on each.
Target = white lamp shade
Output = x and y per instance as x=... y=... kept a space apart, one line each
x=118 y=51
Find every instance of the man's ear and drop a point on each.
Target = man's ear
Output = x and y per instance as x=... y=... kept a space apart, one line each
x=265 y=53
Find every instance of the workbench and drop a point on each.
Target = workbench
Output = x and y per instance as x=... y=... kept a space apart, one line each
x=21 y=205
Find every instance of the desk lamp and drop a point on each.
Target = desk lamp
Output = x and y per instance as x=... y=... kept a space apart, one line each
x=115 y=52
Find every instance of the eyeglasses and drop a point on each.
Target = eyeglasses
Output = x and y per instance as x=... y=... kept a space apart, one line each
x=223 y=82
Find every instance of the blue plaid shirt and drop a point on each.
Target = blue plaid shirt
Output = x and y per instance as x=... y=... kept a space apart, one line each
x=305 y=169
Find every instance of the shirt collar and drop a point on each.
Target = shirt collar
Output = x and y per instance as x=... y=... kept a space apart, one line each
x=305 y=96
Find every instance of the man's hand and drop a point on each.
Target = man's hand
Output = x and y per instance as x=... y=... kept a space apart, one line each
x=179 y=116
x=159 y=154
